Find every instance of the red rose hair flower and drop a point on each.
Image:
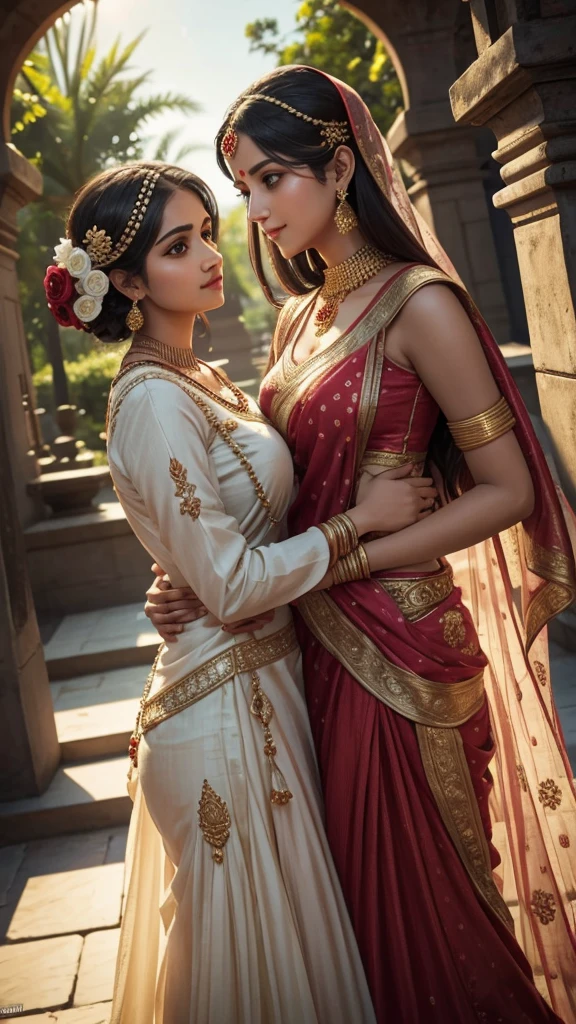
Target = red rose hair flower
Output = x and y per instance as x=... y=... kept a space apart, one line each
x=58 y=285
x=60 y=290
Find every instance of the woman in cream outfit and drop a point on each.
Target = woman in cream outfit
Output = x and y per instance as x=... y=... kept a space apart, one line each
x=234 y=913
x=263 y=936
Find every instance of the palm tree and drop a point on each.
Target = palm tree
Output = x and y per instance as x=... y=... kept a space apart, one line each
x=74 y=114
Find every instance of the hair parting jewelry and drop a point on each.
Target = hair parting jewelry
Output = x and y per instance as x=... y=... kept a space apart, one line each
x=476 y=431
x=333 y=133
x=344 y=278
x=99 y=245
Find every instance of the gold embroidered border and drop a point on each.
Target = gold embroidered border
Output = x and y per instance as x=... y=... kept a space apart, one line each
x=119 y=392
x=245 y=657
x=558 y=591
x=420 y=700
x=417 y=596
x=294 y=381
x=391 y=460
x=368 y=405
x=449 y=779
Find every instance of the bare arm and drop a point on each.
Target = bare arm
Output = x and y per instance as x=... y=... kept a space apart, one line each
x=434 y=333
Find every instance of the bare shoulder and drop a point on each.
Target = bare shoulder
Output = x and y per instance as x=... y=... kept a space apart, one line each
x=433 y=302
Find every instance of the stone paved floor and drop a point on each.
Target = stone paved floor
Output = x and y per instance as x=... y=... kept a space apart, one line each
x=61 y=903
x=60 y=909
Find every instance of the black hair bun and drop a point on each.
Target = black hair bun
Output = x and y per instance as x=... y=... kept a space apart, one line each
x=110 y=325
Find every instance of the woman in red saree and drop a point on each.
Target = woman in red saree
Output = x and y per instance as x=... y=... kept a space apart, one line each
x=412 y=693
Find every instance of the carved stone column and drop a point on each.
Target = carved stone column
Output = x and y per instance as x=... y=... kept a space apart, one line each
x=430 y=45
x=523 y=86
x=29 y=751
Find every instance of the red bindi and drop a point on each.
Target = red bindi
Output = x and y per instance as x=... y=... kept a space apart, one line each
x=242 y=174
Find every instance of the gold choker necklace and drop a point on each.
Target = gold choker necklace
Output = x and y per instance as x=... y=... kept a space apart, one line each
x=344 y=278
x=184 y=359
x=143 y=344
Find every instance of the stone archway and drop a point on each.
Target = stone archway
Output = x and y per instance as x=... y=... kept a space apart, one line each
x=29 y=751
x=430 y=42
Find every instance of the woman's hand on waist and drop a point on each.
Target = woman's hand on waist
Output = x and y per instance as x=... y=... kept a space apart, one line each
x=392 y=500
x=169 y=608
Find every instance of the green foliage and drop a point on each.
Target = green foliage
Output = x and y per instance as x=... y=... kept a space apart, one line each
x=331 y=39
x=75 y=113
x=89 y=379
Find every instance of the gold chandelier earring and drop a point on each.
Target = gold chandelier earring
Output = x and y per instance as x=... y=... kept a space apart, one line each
x=344 y=217
x=135 y=318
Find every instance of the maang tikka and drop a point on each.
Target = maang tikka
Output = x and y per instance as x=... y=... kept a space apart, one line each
x=344 y=217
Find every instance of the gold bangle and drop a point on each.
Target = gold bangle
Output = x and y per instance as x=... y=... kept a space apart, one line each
x=353 y=566
x=342 y=536
x=347 y=530
x=333 y=546
x=487 y=426
x=365 y=564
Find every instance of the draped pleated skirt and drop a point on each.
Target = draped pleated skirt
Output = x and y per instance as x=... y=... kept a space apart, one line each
x=260 y=934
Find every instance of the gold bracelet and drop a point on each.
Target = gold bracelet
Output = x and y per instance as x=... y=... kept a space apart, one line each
x=342 y=536
x=353 y=566
x=479 y=430
x=333 y=542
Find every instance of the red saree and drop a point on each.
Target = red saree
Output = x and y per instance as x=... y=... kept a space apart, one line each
x=395 y=687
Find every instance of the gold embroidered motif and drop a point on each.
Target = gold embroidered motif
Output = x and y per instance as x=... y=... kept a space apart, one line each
x=449 y=779
x=419 y=700
x=454 y=630
x=214 y=821
x=543 y=906
x=521 y=773
x=549 y=794
x=472 y=648
x=540 y=672
x=416 y=597
x=219 y=426
x=189 y=506
x=243 y=657
x=262 y=709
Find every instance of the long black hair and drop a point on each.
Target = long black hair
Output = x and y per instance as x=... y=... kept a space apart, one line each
x=107 y=201
x=294 y=143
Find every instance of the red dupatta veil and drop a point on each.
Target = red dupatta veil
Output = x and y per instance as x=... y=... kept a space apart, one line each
x=514 y=584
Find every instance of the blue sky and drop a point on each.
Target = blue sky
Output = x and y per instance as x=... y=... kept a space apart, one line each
x=197 y=48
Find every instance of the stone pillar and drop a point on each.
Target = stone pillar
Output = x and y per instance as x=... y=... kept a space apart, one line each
x=29 y=751
x=523 y=86
x=448 y=190
x=429 y=46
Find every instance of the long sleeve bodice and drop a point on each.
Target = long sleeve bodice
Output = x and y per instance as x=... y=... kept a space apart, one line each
x=194 y=506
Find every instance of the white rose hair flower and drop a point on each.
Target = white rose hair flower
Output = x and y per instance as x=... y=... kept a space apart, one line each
x=80 y=287
x=78 y=263
x=87 y=308
x=95 y=283
x=62 y=252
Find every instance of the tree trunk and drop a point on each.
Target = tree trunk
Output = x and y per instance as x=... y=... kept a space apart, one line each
x=59 y=380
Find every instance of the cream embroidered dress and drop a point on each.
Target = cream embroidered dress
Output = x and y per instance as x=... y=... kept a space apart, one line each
x=234 y=913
